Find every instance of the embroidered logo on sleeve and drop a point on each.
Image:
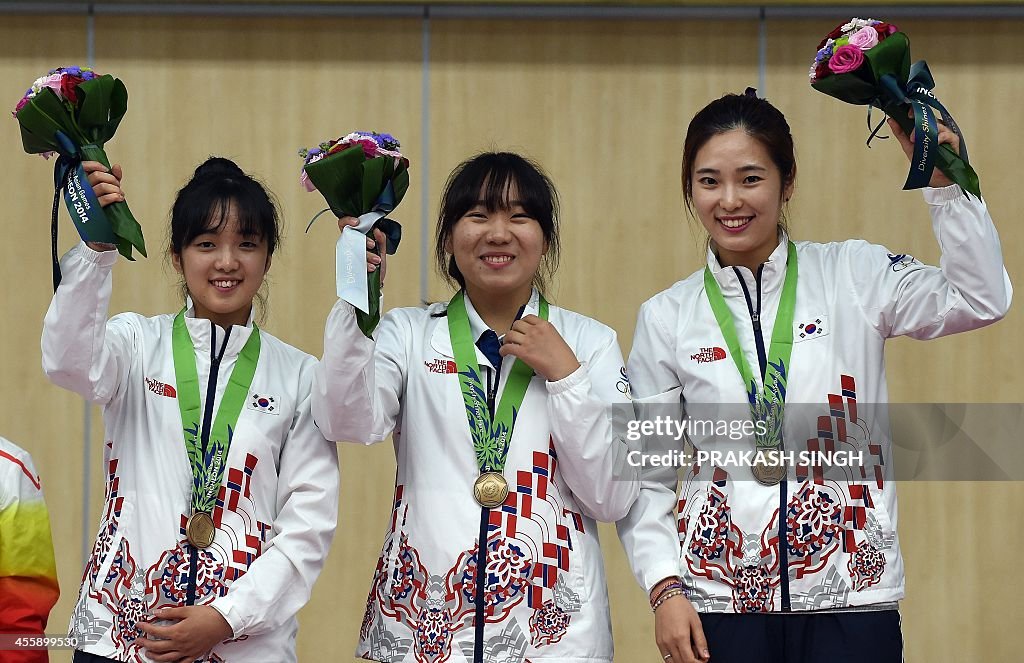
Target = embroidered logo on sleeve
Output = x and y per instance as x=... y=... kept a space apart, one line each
x=263 y=403
x=441 y=366
x=900 y=261
x=708 y=355
x=812 y=328
x=161 y=388
x=623 y=384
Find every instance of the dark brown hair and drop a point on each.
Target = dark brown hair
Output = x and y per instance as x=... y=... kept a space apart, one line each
x=489 y=178
x=758 y=118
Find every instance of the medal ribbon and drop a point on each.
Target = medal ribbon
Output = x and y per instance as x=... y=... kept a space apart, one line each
x=767 y=405
x=209 y=465
x=490 y=438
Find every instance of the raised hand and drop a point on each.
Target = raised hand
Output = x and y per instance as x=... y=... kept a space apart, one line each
x=946 y=137
x=106 y=184
x=374 y=260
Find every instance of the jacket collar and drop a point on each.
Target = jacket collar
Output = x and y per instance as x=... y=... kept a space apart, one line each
x=441 y=341
x=202 y=332
x=772 y=275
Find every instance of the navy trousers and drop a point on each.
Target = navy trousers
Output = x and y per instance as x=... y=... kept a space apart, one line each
x=842 y=637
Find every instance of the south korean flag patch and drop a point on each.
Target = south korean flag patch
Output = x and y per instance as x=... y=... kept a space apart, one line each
x=813 y=327
x=262 y=403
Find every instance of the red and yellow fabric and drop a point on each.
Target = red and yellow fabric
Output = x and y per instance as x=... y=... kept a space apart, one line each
x=28 y=574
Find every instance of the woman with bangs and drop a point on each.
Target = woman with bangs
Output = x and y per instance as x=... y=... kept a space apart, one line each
x=221 y=495
x=499 y=407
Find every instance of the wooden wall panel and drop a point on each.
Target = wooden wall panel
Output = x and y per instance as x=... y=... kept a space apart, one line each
x=45 y=421
x=603 y=106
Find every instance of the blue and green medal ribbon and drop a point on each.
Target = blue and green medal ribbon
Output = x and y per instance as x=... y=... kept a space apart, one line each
x=491 y=437
x=210 y=463
x=767 y=405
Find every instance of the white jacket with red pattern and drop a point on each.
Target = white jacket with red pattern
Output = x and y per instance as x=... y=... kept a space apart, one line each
x=545 y=596
x=277 y=507
x=835 y=546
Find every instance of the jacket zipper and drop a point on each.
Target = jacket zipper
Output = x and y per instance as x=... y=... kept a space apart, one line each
x=762 y=360
x=211 y=395
x=481 y=555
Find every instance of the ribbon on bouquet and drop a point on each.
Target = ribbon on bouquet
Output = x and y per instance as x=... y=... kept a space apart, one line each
x=917 y=93
x=86 y=212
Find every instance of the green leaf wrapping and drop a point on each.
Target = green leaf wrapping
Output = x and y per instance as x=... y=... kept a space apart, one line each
x=122 y=222
x=338 y=178
x=352 y=186
x=89 y=124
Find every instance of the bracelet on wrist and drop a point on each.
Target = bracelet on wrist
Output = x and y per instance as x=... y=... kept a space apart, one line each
x=672 y=593
x=675 y=584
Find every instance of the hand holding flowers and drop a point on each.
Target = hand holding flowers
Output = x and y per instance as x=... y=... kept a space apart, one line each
x=73 y=112
x=361 y=175
x=867 y=62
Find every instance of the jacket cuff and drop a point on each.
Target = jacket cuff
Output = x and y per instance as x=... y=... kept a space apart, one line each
x=659 y=572
x=945 y=194
x=577 y=377
x=101 y=258
x=224 y=605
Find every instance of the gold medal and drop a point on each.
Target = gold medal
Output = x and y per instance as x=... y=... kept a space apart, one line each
x=490 y=489
x=770 y=473
x=200 y=529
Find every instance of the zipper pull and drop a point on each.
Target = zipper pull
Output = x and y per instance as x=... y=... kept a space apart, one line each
x=756 y=319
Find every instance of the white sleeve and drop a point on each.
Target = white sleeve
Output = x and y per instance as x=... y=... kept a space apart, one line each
x=343 y=378
x=358 y=384
x=591 y=446
x=969 y=289
x=280 y=580
x=83 y=352
x=648 y=532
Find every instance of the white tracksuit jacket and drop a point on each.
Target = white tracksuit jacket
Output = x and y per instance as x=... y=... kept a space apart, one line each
x=835 y=544
x=545 y=597
x=277 y=507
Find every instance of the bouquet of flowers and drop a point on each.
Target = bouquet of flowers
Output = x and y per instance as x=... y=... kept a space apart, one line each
x=867 y=62
x=363 y=175
x=73 y=112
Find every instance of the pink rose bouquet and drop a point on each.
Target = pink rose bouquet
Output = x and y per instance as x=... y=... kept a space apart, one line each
x=867 y=63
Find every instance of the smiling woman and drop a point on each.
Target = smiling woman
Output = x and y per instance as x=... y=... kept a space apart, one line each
x=738 y=194
x=487 y=395
x=761 y=539
x=224 y=230
x=221 y=498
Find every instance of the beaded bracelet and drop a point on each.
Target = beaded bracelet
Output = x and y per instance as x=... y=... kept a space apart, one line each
x=675 y=584
x=672 y=593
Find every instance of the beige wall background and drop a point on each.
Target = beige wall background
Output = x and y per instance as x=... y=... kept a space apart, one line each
x=603 y=105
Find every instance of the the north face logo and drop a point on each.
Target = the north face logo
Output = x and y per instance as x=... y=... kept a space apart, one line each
x=160 y=388
x=707 y=355
x=441 y=366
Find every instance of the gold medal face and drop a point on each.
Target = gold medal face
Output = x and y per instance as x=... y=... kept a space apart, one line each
x=769 y=474
x=200 y=529
x=490 y=489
